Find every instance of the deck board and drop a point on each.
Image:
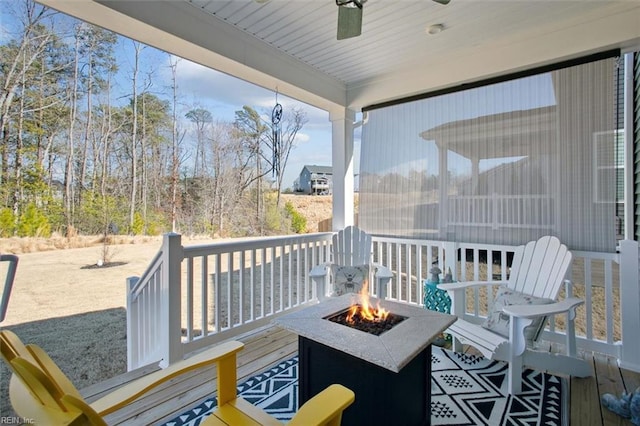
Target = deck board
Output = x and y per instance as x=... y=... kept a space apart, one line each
x=584 y=401
x=609 y=380
x=631 y=380
x=267 y=346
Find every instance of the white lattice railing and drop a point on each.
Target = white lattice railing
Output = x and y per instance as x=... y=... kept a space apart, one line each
x=230 y=287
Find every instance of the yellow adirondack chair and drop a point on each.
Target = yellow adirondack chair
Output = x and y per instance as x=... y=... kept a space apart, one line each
x=8 y=282
x=39 y=390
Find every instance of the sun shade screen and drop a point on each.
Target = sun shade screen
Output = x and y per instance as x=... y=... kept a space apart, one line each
x=502 y=164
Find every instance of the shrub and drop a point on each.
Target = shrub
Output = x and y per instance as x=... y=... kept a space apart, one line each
x=33 y=223
x=298 y=222
x=273 y=217
x=156 y=223
x=137 y=228
x=7 y=223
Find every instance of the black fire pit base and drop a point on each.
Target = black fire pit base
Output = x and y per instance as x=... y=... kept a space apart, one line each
x=382 y=396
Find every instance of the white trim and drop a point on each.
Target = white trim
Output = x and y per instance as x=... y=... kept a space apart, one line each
x=342 y=162
x=628 y=148
x=629 y=303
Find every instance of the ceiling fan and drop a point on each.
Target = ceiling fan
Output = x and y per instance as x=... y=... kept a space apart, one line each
x=350 y=17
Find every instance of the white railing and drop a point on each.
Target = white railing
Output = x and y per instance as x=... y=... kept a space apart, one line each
x=227 y=288
x=148 y=322
x=216 y=291
x=608 y=282
x=501 y=211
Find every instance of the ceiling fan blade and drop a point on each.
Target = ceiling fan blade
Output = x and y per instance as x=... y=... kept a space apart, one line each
x=442 y=1
x=349 y=22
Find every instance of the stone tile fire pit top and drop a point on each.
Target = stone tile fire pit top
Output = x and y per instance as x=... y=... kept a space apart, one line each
x=391 y=350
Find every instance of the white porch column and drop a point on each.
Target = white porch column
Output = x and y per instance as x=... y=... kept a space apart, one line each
x=342 y=163
x=170 y=314
x=630 y=304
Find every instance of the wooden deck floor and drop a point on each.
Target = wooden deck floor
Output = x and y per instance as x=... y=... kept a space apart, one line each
x=267 y=346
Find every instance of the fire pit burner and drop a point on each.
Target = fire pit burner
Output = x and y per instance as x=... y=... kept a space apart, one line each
x=375 y=327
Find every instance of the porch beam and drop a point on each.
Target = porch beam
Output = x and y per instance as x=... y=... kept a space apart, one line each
x=342 y=161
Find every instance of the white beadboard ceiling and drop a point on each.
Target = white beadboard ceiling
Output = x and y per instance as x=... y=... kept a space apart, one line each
x=291 y=44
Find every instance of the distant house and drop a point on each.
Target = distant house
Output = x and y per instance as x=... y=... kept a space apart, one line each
x=315 y=180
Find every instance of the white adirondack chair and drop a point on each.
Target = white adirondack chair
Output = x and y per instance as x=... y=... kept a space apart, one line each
x=351 y=247
x=538 y=270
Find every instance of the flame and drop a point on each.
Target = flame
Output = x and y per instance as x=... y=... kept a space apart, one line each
x=365 y=311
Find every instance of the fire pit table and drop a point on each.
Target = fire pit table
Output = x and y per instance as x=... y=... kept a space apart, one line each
x=390 y=373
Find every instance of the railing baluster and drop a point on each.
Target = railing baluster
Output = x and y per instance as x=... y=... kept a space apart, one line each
x=241 y=287
x=398 y=265
x=409 y=269
x=304 y=278
x=230 y=292
x=281 y=277
x=189 y=324
x=218 y=293
x=608 y=288
x=298 y=279
x=272 y=280
x=419 y=277
x=252 y=278
x=204 y=286
x=290 y=274
x=263 y=263
x=588 y=295
x=476 y=277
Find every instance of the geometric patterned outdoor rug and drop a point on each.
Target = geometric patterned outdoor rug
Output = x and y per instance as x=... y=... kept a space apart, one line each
x=465 y=390
x=470 y=390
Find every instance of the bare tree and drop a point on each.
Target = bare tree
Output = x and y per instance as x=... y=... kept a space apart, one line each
x=19 y=58
x=175 y=149
x=138 y=47
x=97 y=49
x=201 y=118
x=70 y=153
x=18 y=75
x=252 y=132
